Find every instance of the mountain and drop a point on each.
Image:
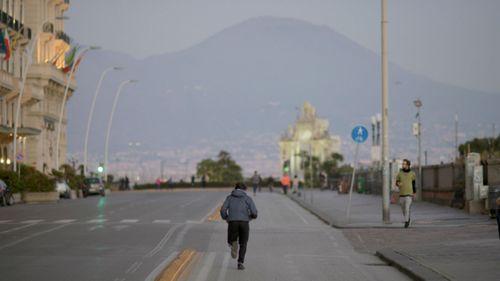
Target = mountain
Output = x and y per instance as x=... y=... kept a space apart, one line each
x=240 y=89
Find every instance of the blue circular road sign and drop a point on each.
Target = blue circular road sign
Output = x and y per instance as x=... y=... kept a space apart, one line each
x=359 y=134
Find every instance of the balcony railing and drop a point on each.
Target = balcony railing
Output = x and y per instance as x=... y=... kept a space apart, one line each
x=14 y=24
x=63 y=36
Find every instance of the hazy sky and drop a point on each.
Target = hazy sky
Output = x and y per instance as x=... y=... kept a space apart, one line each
x=453 y=41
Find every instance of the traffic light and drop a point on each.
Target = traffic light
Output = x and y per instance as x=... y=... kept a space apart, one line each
x=286 y=166
x=100 y=168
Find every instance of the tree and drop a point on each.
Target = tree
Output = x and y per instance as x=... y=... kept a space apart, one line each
x=331 y=164
x=487 y=147
x=224 y=169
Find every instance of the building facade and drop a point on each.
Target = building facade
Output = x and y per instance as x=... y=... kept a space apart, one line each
x=36 y=23
x=308 y=136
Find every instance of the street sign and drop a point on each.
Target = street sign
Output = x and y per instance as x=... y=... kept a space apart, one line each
x=359 y=134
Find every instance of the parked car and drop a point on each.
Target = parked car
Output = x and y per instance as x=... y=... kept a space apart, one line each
x=63 y=188
x=93 y=185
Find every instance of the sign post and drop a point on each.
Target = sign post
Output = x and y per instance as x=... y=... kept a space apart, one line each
x=359 y=135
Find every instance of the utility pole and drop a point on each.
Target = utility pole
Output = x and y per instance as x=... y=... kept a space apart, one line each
x=385 y=118
x=418 y=104
x=456 y=137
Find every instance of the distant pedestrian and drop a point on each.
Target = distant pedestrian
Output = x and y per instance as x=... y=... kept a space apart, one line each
x=498 y=215
x=203 y=181
x=158 y=183
x=405 y=180
x=323 y=181
x=127 y=183
x=256 y=182
x=270 y=183
x=192 y=180
x=238 y=209
x=285 y=183
x=295 y=185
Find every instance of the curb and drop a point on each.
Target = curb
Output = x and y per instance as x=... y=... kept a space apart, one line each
x=331 y=222
x=410 y=267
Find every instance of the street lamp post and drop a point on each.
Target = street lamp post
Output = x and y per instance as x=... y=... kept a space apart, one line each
x=61 y=112
x=386 y=217
x=24 y=73
x=91 y=114
x=109 y=125
x=418 y=104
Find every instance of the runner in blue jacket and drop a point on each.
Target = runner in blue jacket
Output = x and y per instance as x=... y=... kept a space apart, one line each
x=238 y=209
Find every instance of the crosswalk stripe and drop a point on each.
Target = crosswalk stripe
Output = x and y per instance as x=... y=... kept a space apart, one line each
x=65 y=221
x=161 y=221
x=97 y=221
x=32 y=221
x=129 y=221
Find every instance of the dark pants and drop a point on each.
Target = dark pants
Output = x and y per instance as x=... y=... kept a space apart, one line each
x=498 y=221
x=238 y=231
x=285 y=189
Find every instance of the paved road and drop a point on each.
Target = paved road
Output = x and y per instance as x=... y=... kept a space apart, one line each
x=134 y=235
x=289 y=243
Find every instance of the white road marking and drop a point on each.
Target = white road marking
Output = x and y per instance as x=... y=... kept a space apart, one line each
x=32 y=221
x=133 y=268
x=120 y=227
x=17 y=228
x=129 y=221
x=65 y=221
x=95 y=227
x=223 y=269
x=97 y=221
x=152 y=276
x=288 y=204
x=6 y=221
x=194 y=222
x=207 y=265
x=162 y=242
x=161 y=221
x=31 y=236
x=211 y=211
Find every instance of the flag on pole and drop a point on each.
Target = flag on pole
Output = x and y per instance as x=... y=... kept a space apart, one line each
x=5 y=45
x=15 y=40
x=70 y=56
x=70 y=59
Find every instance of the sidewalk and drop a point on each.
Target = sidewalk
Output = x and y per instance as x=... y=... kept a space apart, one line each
x=442 y=243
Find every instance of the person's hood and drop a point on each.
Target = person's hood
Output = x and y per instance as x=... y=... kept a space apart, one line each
x=238 y=193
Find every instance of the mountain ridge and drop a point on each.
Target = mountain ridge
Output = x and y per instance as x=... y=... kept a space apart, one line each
x=249 y=78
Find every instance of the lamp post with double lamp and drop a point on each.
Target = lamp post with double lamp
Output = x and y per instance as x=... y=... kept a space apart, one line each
x=65 y=95
x=91 y=114
x=24 y=73
x=418 y=133
x=111 y=122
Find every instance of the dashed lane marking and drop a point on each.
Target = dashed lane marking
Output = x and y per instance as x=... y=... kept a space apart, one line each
x=97 y=221
x=65 y=221
x=31 y=221
x=161 y=221
x=129 y=221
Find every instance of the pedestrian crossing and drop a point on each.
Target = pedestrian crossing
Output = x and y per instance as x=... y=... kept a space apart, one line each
x=97 y=221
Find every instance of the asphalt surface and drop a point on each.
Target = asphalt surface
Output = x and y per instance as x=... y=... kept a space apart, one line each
x=135 y=235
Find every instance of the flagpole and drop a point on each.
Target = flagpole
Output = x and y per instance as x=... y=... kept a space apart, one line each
x=61 y=112
x=24 y=73
x=29 y=61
